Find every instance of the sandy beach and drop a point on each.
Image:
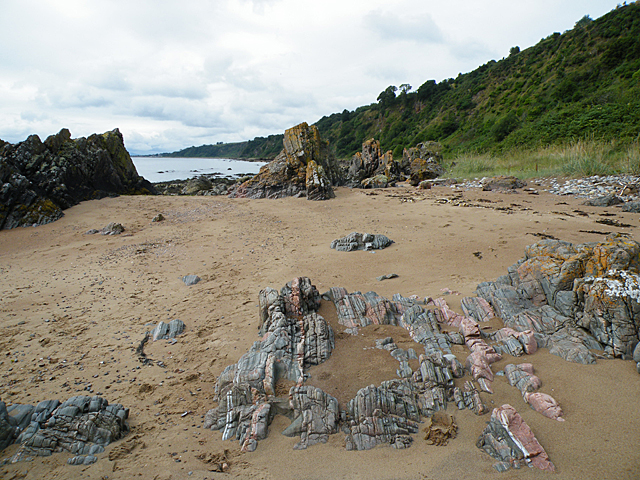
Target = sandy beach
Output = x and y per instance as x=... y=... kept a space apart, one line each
x=73 y=308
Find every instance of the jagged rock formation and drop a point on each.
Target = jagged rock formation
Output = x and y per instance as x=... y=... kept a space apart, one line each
x=509 y=439
x=81 y=425
x=361 y=241
x=424 y=162
x=373 y=169
x=574 y=298
x=40 y=180
x=294 y=336
x=304 y=167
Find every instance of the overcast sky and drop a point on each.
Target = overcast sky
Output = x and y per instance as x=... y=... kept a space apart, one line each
x=171 y=74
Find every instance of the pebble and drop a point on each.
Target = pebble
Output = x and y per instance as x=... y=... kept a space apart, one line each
x=589 y=187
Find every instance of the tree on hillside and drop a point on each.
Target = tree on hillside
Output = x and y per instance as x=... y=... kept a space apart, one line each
x=386 y=98
x=584 y=21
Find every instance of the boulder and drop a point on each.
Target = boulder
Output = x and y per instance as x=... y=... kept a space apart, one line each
x=633 y=207
x=294 y=337
x=604 y=201
x=304 y=167
x=378 y=181
x=40 y=180
x=502 y=183
x=508 y=439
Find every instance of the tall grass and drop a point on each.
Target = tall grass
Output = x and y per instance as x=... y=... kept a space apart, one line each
x=580 y=158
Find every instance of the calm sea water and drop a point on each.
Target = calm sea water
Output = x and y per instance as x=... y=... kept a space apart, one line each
x=164 y=169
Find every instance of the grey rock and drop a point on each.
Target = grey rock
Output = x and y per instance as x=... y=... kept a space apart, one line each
x=7 y=429
x=502 y=183
x=164 y=331
x=82 y=460
x=190 y=280
x=387 y=276
x=378 y=181
x=318 y=413
x=636 y=353
x=604 y=201
x=112 y=228
x=81 y=425
x=294 y=337
x=361 y=241
x=522 y=377
x=633 y=207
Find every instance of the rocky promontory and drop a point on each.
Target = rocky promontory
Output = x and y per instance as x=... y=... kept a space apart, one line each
x=41 y=179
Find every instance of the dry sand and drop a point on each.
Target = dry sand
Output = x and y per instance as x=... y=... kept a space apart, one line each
x=74 y=306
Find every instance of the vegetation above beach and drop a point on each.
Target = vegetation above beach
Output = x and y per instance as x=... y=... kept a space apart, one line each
x=568 y=105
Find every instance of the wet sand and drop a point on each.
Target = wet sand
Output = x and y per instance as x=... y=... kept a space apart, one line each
x=73 y=307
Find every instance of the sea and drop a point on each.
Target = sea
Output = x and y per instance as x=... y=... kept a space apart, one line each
x=165 y=169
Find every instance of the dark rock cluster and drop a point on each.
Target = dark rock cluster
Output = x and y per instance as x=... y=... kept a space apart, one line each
x=81 y=425
x=41 y=179
x=305 y=167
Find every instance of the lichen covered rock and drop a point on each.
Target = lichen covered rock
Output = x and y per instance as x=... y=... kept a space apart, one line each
x=574 y=298
x=304 y=167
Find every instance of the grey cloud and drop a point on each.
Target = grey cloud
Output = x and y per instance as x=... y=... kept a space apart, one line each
x=419 y=28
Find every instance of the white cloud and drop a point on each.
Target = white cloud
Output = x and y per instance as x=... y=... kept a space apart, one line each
x=175 y=74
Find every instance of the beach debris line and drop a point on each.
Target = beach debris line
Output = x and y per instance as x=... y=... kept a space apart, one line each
x=361 y=241
x=81 y=425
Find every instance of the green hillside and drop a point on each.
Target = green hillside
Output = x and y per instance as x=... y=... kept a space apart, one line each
x=584 y=83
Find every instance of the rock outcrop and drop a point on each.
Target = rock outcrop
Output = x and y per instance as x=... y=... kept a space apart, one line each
x=41 y=179
x=304 y=167
x=424 y=162
x=373 y=169
x=574 y=298
x=81 y=425
x=294 y=337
